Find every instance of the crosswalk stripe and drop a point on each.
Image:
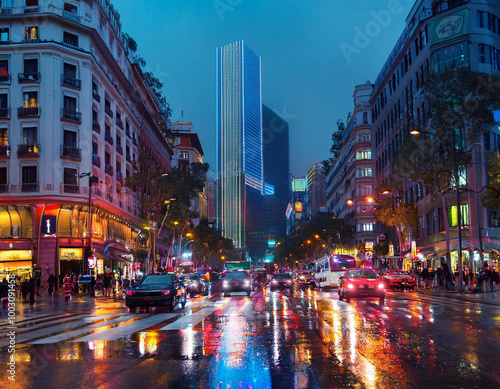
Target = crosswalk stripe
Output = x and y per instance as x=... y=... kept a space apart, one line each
x=192 y=320
x=73 y=334
x=121 y=331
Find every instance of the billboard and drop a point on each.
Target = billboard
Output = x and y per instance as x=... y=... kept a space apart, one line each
x=299 y=185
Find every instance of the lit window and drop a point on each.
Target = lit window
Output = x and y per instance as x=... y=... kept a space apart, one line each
x=4 y=34
x=70 y=8
x=31 y=33
x=30 y=99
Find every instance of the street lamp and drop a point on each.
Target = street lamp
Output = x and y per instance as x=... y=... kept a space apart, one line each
x=89 y=175
x=459 y=215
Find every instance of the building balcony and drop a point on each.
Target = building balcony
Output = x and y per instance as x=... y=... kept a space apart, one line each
x=70 y=188
x=71 y=43
x=127 y=132
x=24 y=112
x=119 y=123
x=28 y=77
x=6 y=11
x=4 y=113
x=96 y=127
x=134 y=141
x=108 y=169
x=30 y=149
x=119 y=176
x=5 y=78
x=119 y=149
x=30 y=10
x=30 y=187
x=109 y=111
x=128 y=157
x=4 y=188
x=71 y=16
x=4 y=151
x=108 y=138
x=68 y=114
x=71 y=152
x=72 y=82
x=96 y=160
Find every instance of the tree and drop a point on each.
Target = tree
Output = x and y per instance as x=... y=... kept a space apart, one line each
x=337 y=142
x=460 y=104
x=491 y=198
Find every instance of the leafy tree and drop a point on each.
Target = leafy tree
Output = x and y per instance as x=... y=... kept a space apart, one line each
x=491 y=198
x=460 y=104
x=131 y=43
x=337 y=143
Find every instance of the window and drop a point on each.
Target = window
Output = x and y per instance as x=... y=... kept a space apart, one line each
x=70 y=71
x=4 y=34
x=365 y=117
x=184 y=155
x=482 y=54
x=95 y=89
x=364 y=154
x=29 y=175
x=68 y=7
x=4 y=67
x=365 y=227
x=94 y=118
x=70 y=138
x=365 y=190
x=31 y=66
x=6 y=3
x=453 y=56
x=364 y=172
x=31 y=33
x=29 y=135
x=494 y=58
x=70 y=104
x=3 y=101
x=4 y=136
x=70 y=39
x=95 y=148
x=3 y=179
x=453 y=215
x=30 y=99
x=31 y=3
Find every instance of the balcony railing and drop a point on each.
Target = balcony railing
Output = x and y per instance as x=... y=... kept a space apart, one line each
x=4 y=150
x=109 y=111
x=28 y=111
x=70 y=188
x=73 y=82
x=30 y=187
x=119 y=123
x=4 y=112
x=71 y=152
x=4 y=78
x=4 y=188
x=96 y=160
x=71 y=16
x=71 y=115
x=70 y=42
x=29 y=10
x=28 y=77
x=28 y=149
x=108 y=169
x=6 y=11
x=96 y=127
x=119 y=149
x=108 y=138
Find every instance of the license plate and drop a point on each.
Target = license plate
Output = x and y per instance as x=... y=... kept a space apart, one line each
x=361 y=286
x=371 y=286
x=148 y=298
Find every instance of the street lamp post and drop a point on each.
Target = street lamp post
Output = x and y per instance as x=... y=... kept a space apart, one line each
x=459 y=215
x=89 y=175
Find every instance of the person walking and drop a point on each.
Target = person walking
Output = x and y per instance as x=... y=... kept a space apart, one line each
x=106 y=284
x=32 y=290
x=92 y=286
x=425 y=277
x=68 y=287
x=24 y=289
x=51 y=282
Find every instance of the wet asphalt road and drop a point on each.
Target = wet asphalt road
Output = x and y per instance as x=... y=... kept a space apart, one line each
x=308 y=339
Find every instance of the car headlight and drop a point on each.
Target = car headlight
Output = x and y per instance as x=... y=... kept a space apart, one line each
x=224 y=283
x=350 y=286
x=381 y=286
x=289 y=281
x=247 y=282
x=166 y=292
x=302 y=277
x=275 y=282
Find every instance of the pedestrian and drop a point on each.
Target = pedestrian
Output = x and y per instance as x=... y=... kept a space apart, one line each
x=24 y=289
x=106 y=283
x=432 y=278
x=75 y=283
x=424 y=275
x=51 y=281
x=113 y=284
x=68 y=287
x=440 y=276
x=92 y=286
x=32 y=290
x=448 y=277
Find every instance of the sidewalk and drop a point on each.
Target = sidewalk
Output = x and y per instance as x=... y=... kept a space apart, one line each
x=491 y=298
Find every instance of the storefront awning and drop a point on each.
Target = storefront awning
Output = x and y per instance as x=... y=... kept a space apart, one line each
x=431 y=255
x=116 y=246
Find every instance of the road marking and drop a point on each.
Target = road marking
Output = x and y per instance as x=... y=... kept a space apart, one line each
x=192 y=320
x=127 y=329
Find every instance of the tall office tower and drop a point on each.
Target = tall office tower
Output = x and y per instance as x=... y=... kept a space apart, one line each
x=316 y=190
x=239 y=143
x=275 y=141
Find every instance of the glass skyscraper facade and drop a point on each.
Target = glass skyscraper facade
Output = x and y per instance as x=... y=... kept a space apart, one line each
x=239 y=183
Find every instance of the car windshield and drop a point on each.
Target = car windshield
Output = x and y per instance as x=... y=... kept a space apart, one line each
x=362 y=274
x=236 y=274
x=282 y=276
x=163 y=280
x=194 y=277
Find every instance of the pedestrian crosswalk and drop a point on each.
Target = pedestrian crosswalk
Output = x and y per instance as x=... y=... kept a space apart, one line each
x=108 y=327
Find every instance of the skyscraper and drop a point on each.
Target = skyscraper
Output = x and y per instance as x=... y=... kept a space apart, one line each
x=239 y=143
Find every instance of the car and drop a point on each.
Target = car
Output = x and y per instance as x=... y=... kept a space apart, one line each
x=158 y=289
x=237 y=281
x=282 y=281
x=398 y=279
x=361 y=283
x=306 y=278
x=259 y=279
x=194 y=284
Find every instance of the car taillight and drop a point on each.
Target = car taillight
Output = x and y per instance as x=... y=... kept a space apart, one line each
x=350 y=286
x=130 y=292
x=166 y=292
x=381 y=286
x=275 y=282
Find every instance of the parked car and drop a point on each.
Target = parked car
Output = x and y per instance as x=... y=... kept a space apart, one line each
x=282 y=281
x=237 y=281
x=306 y=278
x=159 y=289
x=194 y=284
x=398 y=280
x=361 y=283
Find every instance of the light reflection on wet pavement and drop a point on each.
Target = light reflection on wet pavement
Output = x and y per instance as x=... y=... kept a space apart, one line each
x=273 y=340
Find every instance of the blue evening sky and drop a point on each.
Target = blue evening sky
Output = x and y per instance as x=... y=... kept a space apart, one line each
x=312 y=56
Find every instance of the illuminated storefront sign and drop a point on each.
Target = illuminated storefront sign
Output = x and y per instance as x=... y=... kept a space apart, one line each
x=299 y=184
x=298 y=206
x=71 y=254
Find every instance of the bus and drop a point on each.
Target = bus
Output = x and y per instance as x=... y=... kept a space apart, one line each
x=237 y=265
x=328 y=269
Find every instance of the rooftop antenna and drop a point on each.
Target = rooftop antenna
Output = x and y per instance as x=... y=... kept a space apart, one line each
x=182 y=115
